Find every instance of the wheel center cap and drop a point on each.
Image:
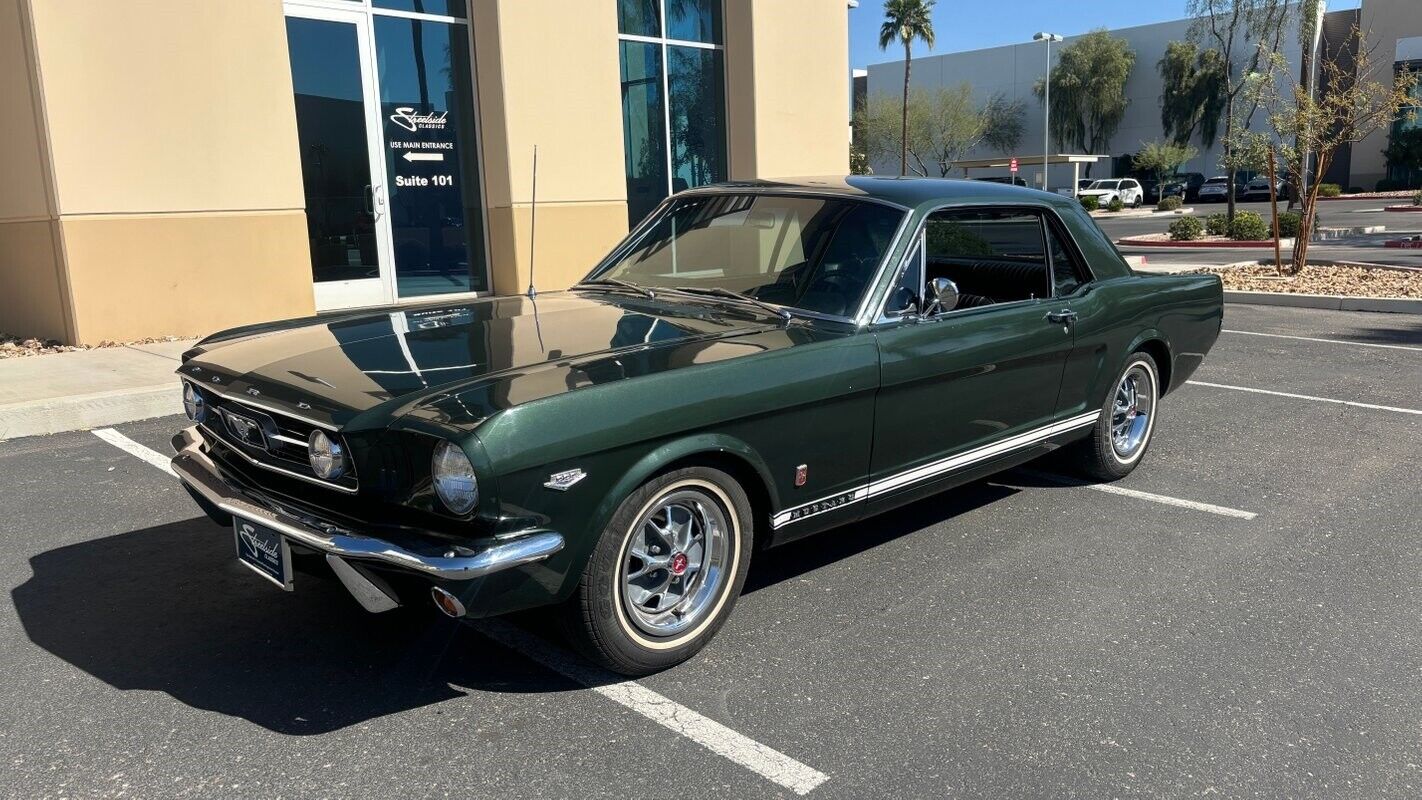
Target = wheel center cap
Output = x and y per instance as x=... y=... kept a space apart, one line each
x=678 y=563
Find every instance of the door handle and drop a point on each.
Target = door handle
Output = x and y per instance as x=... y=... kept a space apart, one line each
x=1064 y=317
x=374 y=201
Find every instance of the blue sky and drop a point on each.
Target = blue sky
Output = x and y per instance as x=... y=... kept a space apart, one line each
x=974 y=24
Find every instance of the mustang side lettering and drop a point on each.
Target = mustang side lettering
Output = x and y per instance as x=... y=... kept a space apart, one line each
x=756 y=362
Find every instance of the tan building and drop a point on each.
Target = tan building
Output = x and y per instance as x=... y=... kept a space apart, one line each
x=175 y=167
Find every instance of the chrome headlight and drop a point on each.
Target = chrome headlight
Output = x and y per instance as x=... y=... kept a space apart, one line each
x=193 y=404
x=328 y=457
x=454 y=478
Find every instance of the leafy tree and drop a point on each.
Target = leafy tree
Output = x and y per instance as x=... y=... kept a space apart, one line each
x=1347 y=106
x=1192 y=98
x=1089 y=91
x=1163 y=158
x=944 y=125
x=1242 y=32
x=905 y=21
x=1004 y=123
x=877 y=127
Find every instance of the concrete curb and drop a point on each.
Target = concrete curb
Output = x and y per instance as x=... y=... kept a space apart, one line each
x=1231 y=245
x=1390 y=305
x=84 y=411
x=1404 y=209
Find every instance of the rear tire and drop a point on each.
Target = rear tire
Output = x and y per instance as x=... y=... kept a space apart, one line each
x=1122 y=433
x=665 y=573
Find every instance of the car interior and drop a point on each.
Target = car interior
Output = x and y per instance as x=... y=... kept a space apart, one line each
x=991 y=256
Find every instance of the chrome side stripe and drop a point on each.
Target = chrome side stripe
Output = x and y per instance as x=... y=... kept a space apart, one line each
x=980 y=454
x=933 y=470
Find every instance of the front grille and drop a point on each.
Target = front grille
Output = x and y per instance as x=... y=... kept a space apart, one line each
x=268 y=439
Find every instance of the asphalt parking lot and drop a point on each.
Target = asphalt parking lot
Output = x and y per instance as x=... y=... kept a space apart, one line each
x=1242 y=616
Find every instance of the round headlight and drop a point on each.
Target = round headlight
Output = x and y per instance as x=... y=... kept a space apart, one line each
x=328 y=457
x=454 y=478
x=193 y=404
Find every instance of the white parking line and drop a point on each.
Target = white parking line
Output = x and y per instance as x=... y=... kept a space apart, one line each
x=133 y=448
x=1326 y=341
x=1308 y=397
x=770 y=764
x=767 y=762
x=1193 y=505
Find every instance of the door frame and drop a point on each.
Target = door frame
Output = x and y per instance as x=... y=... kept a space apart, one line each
x=342 y=295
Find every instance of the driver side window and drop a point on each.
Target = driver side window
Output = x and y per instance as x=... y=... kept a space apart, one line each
x=992 y=256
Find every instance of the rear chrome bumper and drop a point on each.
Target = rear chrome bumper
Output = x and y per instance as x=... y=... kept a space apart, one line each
x=198 y=471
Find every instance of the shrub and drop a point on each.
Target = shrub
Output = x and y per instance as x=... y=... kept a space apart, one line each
x=1090 y=203
x=1389 y=185
x=1115 y=205
x=1186 y=229
x=1329 y=190
x=1217 y=224
x=1357 y=190
x=1248 y=227
x=1417 y=198
x=1171 y=203
x=1289 y=222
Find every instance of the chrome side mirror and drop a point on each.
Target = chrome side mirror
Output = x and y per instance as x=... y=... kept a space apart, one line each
x=942 y=296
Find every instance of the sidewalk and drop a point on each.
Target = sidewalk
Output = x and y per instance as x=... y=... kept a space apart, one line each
x=89 y=389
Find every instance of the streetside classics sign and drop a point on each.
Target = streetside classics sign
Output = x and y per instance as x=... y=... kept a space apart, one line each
x=419 y=150
x=406 y=118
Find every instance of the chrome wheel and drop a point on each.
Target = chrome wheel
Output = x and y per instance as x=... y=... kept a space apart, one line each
x=1131 y=411
x=674 y=563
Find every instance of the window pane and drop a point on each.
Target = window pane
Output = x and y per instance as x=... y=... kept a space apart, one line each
x=335 y=155
x=698 y=139
x=643 y=128
x=427 y=108
x=639 y=17
x=992 y=256
x=811 y=253
x=447 y=8
x=1064 y=273
x=694 y=20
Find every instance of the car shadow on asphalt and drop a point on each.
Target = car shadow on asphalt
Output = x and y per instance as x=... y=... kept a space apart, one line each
x=169 y=609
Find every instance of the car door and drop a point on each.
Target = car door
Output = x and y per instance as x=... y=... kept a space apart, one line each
x=965 y=390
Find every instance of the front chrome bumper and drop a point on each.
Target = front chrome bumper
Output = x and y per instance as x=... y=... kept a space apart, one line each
x=197 y=470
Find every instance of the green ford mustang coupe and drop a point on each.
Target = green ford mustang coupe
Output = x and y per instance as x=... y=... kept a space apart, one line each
x=756 y=362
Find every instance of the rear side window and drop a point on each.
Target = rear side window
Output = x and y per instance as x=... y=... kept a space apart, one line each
x=996 y=256
x=1067 y=275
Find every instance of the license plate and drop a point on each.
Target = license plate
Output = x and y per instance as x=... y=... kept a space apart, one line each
x=264 y=551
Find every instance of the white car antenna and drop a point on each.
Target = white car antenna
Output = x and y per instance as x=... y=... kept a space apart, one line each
x=533 y=223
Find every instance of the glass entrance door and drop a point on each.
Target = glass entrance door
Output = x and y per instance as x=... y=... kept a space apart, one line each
x=340 y=157
x=385 y=114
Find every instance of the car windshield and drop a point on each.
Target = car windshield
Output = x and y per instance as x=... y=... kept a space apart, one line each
x=812 y=253
x=1105 y=185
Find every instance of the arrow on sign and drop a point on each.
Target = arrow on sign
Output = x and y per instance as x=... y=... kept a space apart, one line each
x=424 y=156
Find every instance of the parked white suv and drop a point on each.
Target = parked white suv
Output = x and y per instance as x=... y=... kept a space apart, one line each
x=1128 y=189
x=1215 y=189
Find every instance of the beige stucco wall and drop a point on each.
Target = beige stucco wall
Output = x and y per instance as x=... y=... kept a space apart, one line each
x=548 y=76
x=1383 y=22
x=787 y=87
x=161 y=126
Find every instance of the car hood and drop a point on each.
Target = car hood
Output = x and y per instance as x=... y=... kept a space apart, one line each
x=1097 y=192
x=361 y=370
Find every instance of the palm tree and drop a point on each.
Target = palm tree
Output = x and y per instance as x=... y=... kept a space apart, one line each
x=905 y=21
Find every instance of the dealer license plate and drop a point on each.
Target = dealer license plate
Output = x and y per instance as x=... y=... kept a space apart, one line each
x=264 y=551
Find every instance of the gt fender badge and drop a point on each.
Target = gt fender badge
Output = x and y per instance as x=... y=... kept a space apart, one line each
x=563 y=481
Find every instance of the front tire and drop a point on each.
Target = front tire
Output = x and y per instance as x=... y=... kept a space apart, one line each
x=665 y=573
x=1122 y=433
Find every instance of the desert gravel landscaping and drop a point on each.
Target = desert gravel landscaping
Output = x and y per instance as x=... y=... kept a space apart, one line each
x=1330 y=280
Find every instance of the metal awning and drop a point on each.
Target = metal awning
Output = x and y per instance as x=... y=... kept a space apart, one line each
x=1028 y=162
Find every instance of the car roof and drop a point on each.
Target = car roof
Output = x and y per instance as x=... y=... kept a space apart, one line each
x=909 y=192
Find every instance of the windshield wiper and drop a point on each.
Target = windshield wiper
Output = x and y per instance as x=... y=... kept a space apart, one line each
x=618 y=282
x=717 y=291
